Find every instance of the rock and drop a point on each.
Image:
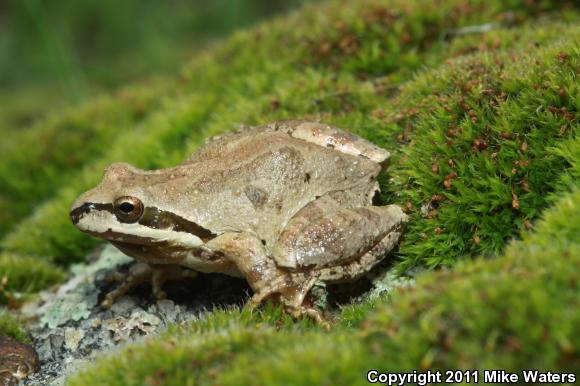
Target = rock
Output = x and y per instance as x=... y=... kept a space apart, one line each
x=72 y=338
x=75 y=304
x=72 y=329
x=17 y=361
x=139 y=322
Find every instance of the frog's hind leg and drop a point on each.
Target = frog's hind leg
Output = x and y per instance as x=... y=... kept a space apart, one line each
x=331 y=233
x=334 y=242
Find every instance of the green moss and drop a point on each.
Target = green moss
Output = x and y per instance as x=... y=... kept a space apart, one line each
x=38 y=160
x=11 y=326
x=487 y=139
x=392 y=37
x=20 y=274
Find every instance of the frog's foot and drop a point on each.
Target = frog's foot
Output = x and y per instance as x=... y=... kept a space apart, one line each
x=141 y=273
x=291 y=291
x=257 y=299
x=294 y=297
x=295 y=311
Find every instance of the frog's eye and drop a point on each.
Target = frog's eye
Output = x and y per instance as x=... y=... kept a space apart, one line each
x=128 y=209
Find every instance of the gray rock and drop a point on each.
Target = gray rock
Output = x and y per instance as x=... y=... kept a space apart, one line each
x=72 y=330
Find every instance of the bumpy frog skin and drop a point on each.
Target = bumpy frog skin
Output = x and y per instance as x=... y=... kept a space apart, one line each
x=283 y=205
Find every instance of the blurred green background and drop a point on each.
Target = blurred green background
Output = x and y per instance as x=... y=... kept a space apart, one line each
x=65 y=51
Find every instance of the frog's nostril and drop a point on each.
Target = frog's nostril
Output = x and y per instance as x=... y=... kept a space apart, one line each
x=74 y=216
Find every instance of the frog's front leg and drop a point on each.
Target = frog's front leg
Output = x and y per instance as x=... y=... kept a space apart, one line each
x=142 y=272
x=267 y=280
x=251 y=259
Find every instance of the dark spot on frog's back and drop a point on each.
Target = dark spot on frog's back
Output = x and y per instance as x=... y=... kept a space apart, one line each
x=257 y=196
x=286 y=154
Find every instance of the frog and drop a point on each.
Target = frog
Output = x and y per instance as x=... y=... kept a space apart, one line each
x=285 y=205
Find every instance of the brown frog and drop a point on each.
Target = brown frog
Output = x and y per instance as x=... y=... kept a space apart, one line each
x=285 y=205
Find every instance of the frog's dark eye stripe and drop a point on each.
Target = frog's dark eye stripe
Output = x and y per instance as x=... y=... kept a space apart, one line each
x=78 y=213
x=150 y=217
x=160 y=219
x=128 y=209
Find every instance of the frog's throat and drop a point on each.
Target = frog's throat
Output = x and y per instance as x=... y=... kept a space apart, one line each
x=100 y=220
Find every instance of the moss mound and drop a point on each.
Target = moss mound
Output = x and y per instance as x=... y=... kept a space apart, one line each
x=488 y=139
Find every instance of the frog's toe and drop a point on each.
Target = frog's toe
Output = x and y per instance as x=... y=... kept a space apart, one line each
x=108 y=302
x=160 y=295
x=317 y=316
x=255 y=301
x=259 y=297
x=142 y=273
x=138 y=273
x=310 y=312
x=112 y=297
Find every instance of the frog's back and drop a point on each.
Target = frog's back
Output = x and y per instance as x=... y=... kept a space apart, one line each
x=259 y=178
x=319 y=134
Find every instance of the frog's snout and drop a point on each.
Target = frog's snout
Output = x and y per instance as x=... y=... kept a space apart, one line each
x=78 y=211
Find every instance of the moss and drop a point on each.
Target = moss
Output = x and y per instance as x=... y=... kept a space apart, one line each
x=391 y=37
x=487 y=138
x=64 y=143
x=11 y=326
x=21 y=275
